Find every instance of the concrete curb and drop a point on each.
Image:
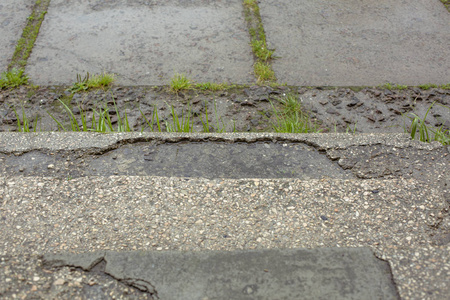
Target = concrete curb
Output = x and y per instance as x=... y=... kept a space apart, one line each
x=19 y=143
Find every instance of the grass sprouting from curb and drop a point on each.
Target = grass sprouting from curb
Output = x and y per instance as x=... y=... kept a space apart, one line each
x=446 y=4
x=24 y=125
x=90 y=82
x=180 y=82
x=292 y=118
x=390 y=86
x=26 y=42
x=418 y=126
x=13 y=78
x=262 y=68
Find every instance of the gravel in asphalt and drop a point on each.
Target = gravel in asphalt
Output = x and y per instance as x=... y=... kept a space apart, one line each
x=398 y=219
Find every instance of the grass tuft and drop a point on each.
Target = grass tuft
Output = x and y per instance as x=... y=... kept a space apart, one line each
x=13 y=78
x=445 y=86
x=264 y=72
x=97 y=81
x=180 y=82
x=427 y=86
x=291 y=118
x=425 y=132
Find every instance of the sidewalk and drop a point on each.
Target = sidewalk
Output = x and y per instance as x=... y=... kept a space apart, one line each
x=237 y=216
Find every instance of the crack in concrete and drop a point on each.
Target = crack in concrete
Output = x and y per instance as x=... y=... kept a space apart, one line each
x=98 y=266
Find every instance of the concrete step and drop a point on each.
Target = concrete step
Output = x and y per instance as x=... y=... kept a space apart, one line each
x=401 y=220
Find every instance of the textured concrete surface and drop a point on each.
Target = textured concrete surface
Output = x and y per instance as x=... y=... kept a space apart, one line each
x=329 y=43
x=397 y=204
x=144 y=42
x=403 y=221
x=13 y=18
x=352 y=273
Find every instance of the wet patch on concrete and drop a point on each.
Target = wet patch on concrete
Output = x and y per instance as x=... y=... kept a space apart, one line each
x=323 y=43
x=143 y=42
x=193 y=159
x=345 y=273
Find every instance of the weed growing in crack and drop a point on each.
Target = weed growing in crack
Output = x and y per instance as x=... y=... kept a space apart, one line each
x=155 y=120
x=264 y=72
x=87 y=82
x=391 y=86
x=24 y=125
x=220 y=125
x=262 y=68
x=427 y=86
x=180 y=82
x=418 y=126
x=13 y=78
x=101 y=120
x=29 y=34
x=292 y=118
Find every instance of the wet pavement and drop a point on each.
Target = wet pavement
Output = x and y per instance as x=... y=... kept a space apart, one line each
x=144 y=42
x=358 y=43
x=220 y=216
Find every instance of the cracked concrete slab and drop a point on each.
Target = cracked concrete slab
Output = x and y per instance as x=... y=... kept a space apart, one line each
x=404 y=221
x=304 y=157
x=343 y=273
x=143 y=42
x=357 y=43
x=13 y=18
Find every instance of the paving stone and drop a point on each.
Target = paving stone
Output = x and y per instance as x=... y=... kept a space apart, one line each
x=13 y=18
x=339 y=273
x=358 y=42
x=144 y=42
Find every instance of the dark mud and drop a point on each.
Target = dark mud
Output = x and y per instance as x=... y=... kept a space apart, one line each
x=244 y=109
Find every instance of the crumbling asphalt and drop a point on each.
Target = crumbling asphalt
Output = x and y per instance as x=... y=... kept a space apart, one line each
x=399 y=210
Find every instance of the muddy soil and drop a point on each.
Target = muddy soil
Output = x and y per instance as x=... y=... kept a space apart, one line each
x=244 y=109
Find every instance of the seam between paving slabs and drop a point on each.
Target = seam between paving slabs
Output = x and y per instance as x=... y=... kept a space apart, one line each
x=262 y=67
x=29 y=34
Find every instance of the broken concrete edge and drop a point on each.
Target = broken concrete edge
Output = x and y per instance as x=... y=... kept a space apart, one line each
x=89 y=261
x=98 y=143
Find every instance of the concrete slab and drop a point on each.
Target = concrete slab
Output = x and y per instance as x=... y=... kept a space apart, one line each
x=144 y=42
x=358 y=42
x=353 y=273
x=13 y=18
x=397 y=219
